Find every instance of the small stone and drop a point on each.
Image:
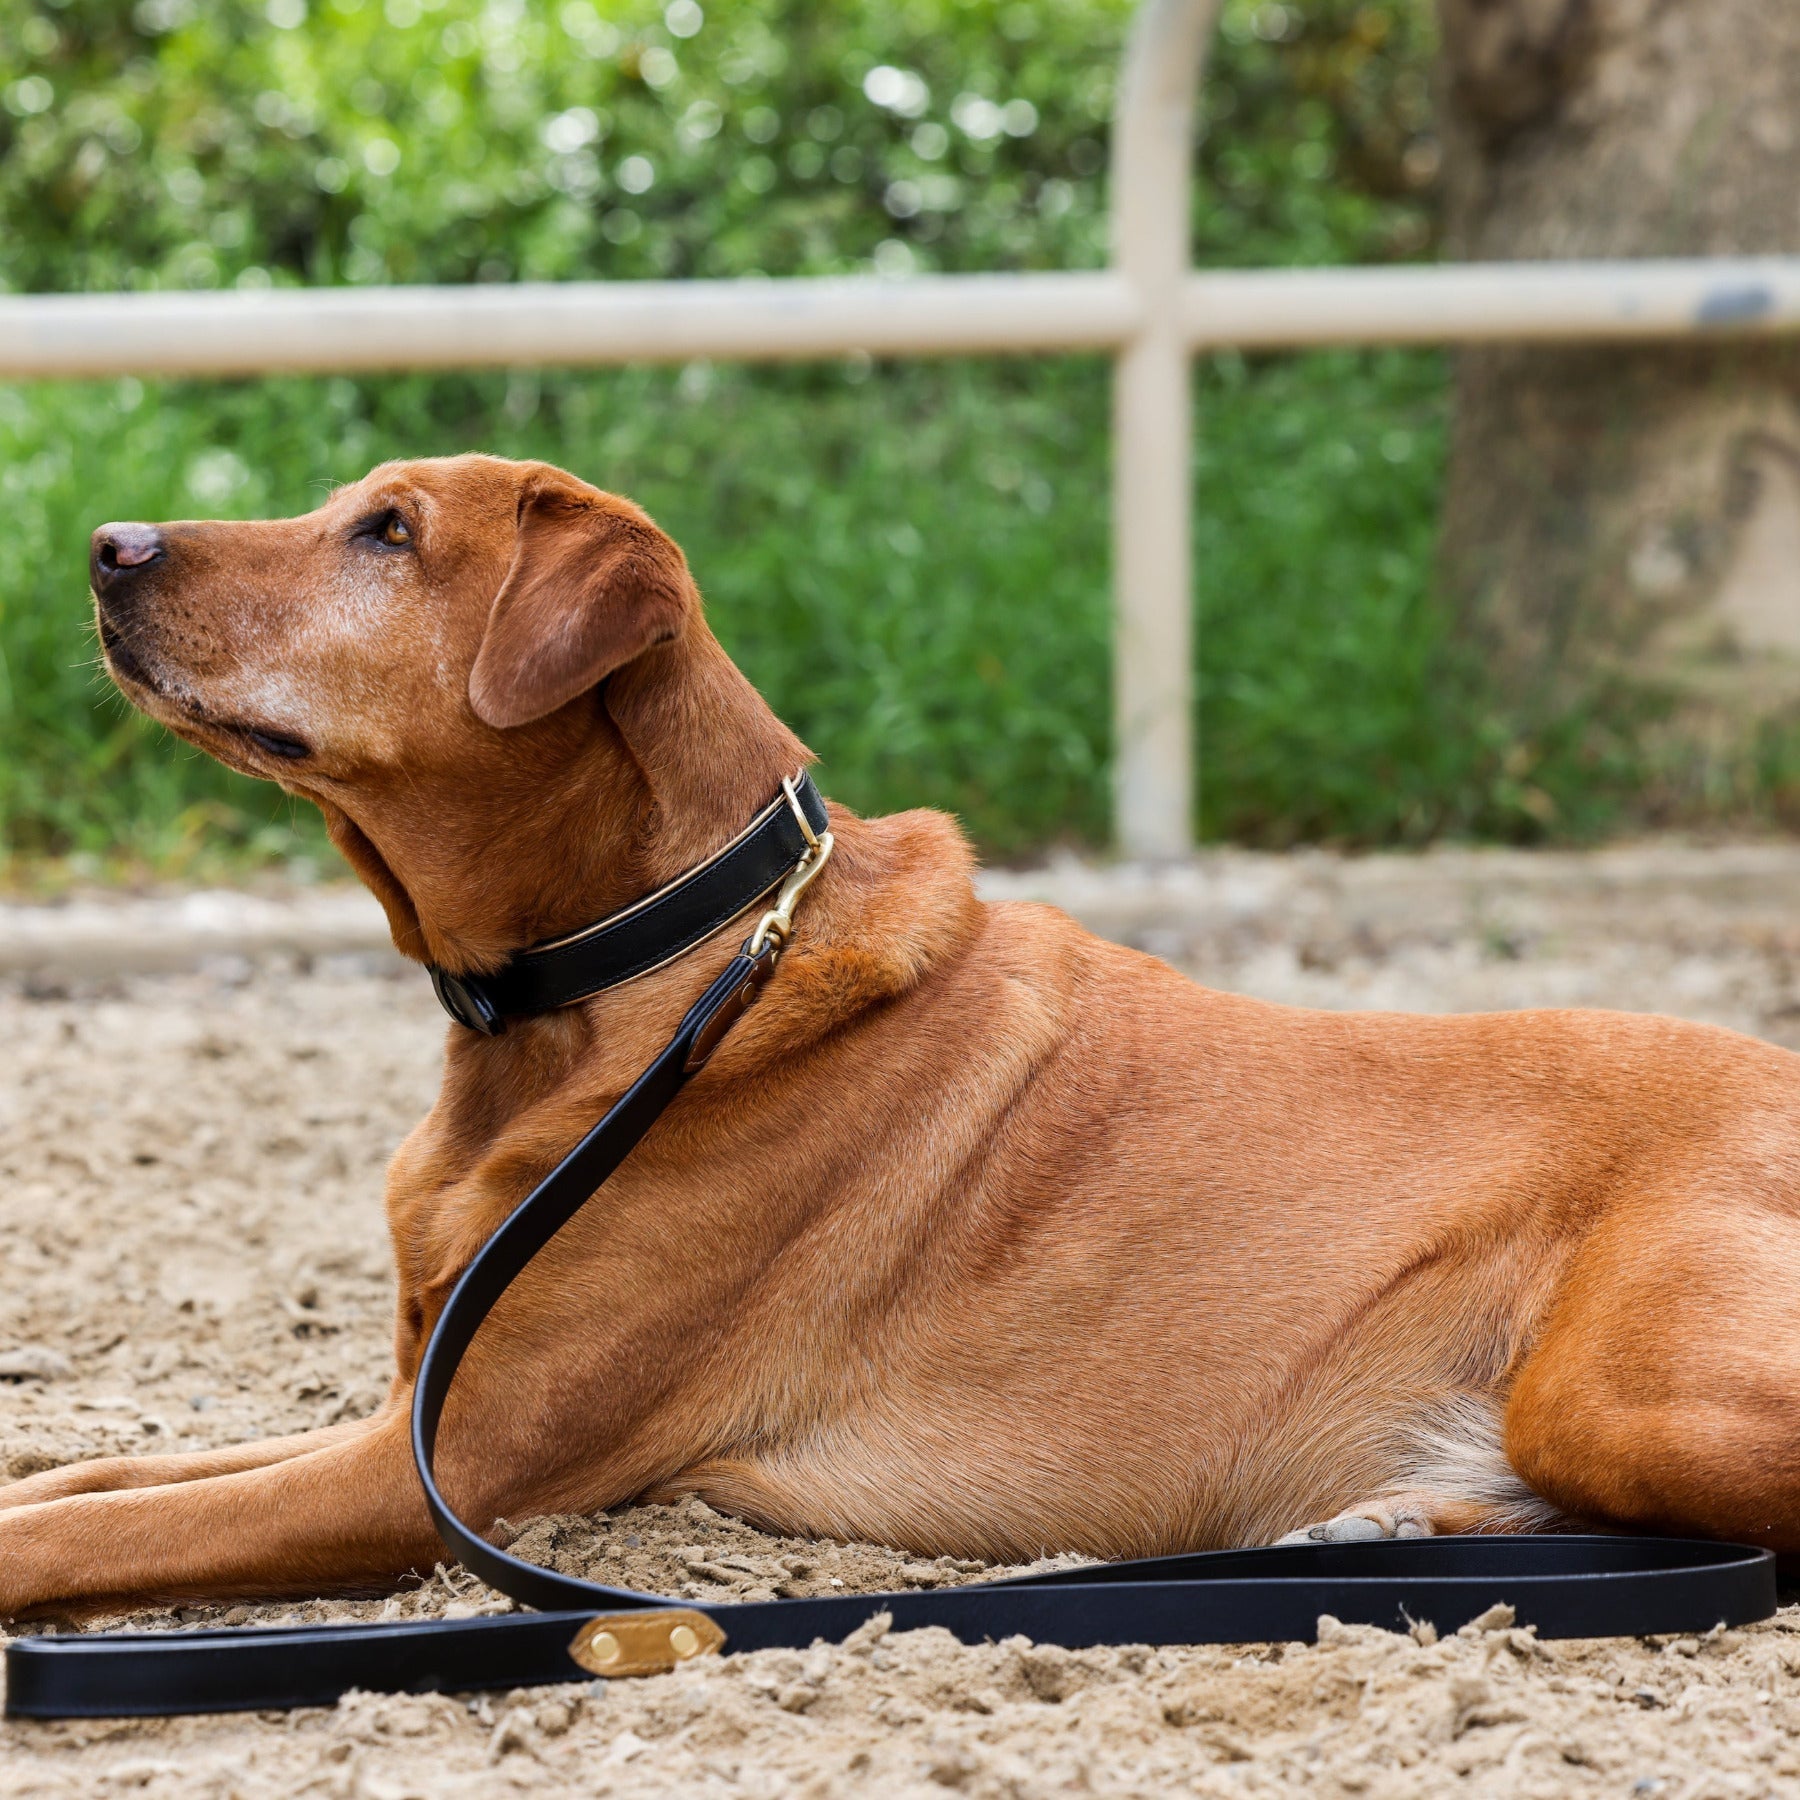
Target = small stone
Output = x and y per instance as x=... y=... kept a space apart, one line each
x=1498 y=1617
x=516 y=1731
x=554 y=1717
x=867 y=1635
x=625 y=1747
x=34 y=1362
x=950 y=1764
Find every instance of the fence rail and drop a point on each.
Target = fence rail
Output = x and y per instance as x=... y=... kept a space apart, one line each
x=1150 y=310
x=569 y=323
x=572 y=324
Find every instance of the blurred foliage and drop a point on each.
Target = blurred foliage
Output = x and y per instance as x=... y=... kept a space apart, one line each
x=181 y=144
x=216 y=143
x=910 y=560
x=1316 y=141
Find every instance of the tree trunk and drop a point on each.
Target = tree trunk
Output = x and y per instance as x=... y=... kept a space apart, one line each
x=1635 y=512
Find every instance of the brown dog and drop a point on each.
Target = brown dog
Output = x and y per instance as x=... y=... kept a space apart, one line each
x=979 y=1235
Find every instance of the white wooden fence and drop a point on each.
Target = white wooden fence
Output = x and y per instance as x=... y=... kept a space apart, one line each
x=1150 y=308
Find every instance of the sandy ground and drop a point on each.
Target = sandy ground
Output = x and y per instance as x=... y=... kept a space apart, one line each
x=190 y=1164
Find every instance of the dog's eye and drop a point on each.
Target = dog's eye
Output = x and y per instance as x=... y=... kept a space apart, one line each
x=394 y=530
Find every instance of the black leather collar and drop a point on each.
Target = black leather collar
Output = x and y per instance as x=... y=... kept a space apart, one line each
x=651 y=931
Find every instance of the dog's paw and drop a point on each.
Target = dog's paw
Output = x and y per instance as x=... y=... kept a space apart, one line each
x=1363 y=1525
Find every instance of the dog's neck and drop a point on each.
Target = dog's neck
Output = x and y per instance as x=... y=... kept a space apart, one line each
x=616 y=795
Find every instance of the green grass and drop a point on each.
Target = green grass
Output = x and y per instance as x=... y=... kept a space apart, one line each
x=910 y=562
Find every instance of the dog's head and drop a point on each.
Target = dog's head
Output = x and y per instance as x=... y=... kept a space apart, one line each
x=467 y=664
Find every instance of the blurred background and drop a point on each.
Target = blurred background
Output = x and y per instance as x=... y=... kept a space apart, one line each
x=1515 y=595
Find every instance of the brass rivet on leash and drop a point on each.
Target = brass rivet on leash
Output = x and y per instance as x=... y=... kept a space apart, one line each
x=644 y=1643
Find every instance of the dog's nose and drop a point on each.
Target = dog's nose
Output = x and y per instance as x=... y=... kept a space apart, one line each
x=120 y=553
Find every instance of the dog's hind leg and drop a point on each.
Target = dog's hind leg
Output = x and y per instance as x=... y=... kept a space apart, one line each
x=1457 y=1478
x=1663 y=1390
x=108 y=1474
x=1418 y=1512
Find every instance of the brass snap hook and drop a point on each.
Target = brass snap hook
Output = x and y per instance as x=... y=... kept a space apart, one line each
x=778 y=921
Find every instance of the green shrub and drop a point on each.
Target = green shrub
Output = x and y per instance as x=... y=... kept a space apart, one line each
x=199 y=143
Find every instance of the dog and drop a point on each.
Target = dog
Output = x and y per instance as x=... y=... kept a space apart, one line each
x=979 y=1235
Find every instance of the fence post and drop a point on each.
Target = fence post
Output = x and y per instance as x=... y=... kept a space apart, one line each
x=1153 y=124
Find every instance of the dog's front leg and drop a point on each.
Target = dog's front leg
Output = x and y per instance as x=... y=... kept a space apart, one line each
x=106 y=1474
x=348 y=1515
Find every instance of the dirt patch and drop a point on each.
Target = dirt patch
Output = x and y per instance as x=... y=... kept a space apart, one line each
x=193 y=1252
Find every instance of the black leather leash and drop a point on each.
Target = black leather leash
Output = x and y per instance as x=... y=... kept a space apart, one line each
x=1565 y=1586
x=1568 y=1587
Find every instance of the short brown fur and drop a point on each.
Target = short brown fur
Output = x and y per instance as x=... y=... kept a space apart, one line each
x=978 y=1235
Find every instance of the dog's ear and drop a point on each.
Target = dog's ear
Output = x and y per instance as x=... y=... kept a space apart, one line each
x=593 y=584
